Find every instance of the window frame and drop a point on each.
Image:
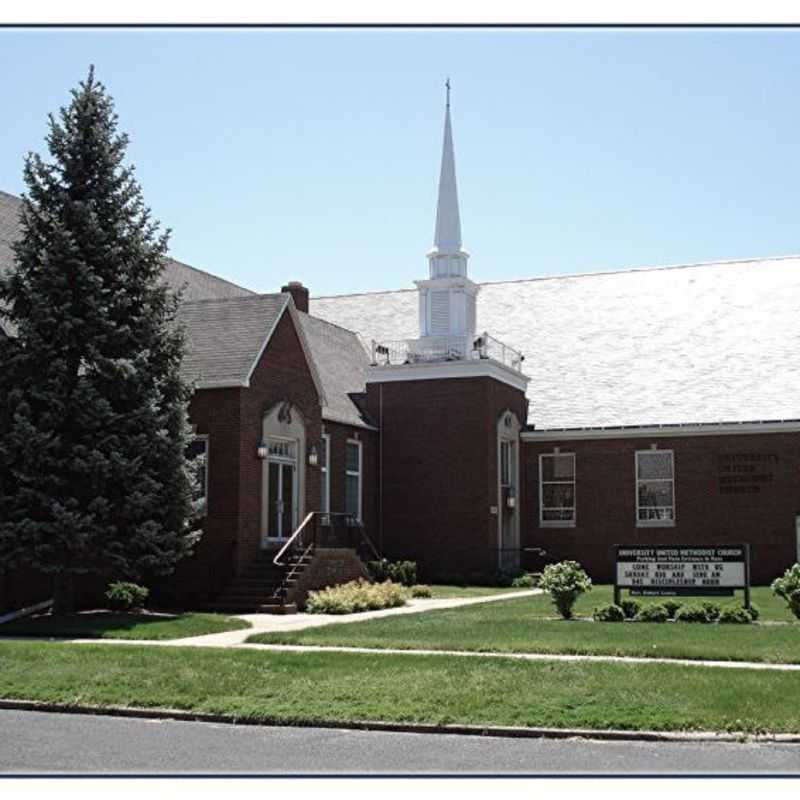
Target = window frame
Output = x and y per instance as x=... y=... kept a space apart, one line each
x=204 y=437
x=655 y=523
x=325 y=470
x=350 y=473
x=558 y=523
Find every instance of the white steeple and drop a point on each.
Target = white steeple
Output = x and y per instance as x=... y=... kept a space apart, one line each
x=447 y=258
x=447 y=299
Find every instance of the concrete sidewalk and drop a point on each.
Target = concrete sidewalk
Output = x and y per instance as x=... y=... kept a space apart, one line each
x=394 y=651
x=272 y=623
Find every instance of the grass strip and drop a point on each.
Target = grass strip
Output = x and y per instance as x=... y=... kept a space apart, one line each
x=521 y=625
x=304 y=688
x=103 y=625
x=443 y=592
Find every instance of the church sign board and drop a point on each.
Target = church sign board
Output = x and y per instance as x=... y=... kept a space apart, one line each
x=674 y=570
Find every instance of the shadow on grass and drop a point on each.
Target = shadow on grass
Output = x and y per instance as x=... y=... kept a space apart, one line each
x=87 y=624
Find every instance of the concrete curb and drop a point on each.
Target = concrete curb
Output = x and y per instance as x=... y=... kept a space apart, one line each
x=402 y=727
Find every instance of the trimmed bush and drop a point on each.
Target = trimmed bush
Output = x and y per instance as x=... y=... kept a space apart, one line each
x=525 y=581
x=654 y=613
x=421 y=590
x=672 y=607
x=754 y=612
x=565 y=582
x=355 y=596
x=712 y=610
x=788 y=587
x=403 y=572
x=630 y=608
x=124 y=596
x=608 y=613
x=693 y=613
x=735 y=616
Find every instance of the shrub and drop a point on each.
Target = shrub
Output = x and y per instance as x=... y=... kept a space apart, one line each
x=403 y=572
x=565 y=582
x=788 y=587
x=359 y=595
x=735 y=616
x=672 y=607
x=653 y=613
x=754 y=612
x=420 y=590
x=712 y=611
x=525 y=581
x=123 y=596
x=608 y=613
x=630 y=608
x=692 y=613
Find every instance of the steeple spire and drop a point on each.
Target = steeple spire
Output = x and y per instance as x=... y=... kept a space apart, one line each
x=447 y=298
x=447 y=238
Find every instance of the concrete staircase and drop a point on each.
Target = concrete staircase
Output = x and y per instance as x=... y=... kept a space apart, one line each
x=261 y=588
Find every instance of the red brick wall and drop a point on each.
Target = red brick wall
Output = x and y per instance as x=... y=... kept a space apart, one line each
x=232 y=419
x=606 y=499
x=281 y=374
x=216 y=413
x=329 y=567
x=438 y=475
x=339 y=434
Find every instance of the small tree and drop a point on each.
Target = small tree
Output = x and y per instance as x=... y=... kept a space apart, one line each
x=788 y=587
x=566 y=582
x=93 y=412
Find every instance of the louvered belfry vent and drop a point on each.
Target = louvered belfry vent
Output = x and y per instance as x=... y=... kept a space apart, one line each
x=440 y=312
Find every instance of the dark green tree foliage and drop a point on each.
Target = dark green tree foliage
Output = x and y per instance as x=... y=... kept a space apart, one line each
x=93 y=412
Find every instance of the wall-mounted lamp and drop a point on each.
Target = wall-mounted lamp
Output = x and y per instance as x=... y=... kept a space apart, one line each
x=313 y=456
x=511 y=500
x=262 y=450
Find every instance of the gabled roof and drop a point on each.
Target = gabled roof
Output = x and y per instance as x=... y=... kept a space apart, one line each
x=225 y=337
x=342 y=362
x=703 y=343
x=228 y=328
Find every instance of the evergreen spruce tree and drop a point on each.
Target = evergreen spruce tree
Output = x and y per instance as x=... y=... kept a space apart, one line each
x=93 y=412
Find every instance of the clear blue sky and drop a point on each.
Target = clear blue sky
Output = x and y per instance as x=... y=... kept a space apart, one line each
x=313 y=154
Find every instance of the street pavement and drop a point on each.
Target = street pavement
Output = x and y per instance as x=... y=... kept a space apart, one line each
x=40 y=742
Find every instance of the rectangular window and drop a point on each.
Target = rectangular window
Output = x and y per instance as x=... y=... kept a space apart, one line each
x=655 y=488
x=557 y=490
x=352 y=478
x=324 y=468
x=197 y=454
x=282 y=449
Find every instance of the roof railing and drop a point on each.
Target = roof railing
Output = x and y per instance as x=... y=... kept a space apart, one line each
x=445 y=348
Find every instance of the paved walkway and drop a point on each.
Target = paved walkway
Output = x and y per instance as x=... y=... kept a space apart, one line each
x=272 y=623
x=689 y=662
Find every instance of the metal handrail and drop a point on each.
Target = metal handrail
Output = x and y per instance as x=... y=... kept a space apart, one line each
x=298 y=536
x=277 y=560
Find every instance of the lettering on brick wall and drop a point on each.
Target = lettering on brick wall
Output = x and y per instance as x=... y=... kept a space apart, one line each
x=745 y=473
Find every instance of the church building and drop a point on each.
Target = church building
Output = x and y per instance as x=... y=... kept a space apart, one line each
x=480 y=428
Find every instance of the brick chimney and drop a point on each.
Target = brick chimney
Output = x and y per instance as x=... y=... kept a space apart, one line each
x=299 y=294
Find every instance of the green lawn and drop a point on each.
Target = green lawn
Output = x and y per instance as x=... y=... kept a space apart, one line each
x=441 y=592
x=527 y=625
x=109 y=625
x=314 y=687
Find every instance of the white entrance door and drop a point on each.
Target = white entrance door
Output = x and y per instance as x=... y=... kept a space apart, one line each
x=509 y=529
x=282 y=493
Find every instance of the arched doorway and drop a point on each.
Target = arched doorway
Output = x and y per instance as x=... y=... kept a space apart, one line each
x=283 y=437
x=508 y=544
